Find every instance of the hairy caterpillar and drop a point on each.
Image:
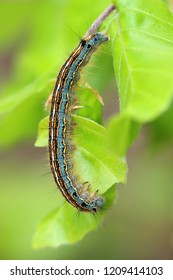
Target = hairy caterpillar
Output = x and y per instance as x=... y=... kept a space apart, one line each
x=60 y=127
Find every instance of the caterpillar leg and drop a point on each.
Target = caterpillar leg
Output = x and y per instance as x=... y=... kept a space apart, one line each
x=94 y=91
x=48 y=101
x=86 y=186
x=75 y=105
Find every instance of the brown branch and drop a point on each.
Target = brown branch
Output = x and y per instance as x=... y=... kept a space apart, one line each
x=99 y=20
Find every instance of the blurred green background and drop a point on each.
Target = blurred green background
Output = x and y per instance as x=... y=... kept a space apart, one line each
x=140 y=225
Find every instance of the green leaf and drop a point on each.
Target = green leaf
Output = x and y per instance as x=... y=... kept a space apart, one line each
x=37 y=39
x=42 y=138
x=94 y=163
x=9 y=103
x=66 y=225
x=92 y=155
x=88 y=101
x=20 y=112
x=122 y=132
x=143 y=57
x=161 y=130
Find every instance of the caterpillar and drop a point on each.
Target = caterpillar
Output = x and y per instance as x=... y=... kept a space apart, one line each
x=60 y=127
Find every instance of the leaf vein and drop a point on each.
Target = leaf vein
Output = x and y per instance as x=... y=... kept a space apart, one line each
x=148 y=33
x=125 y=57
x=150 y=15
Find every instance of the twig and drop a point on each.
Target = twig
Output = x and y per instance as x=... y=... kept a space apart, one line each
x=100 y=19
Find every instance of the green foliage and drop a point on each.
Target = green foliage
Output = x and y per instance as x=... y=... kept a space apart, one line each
x=122 y=131
x=66 y=225
x=143 y=58
x=142 y=50
x=161 y=130
x=43 y=34
x=92 y=157
x=143 y=63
